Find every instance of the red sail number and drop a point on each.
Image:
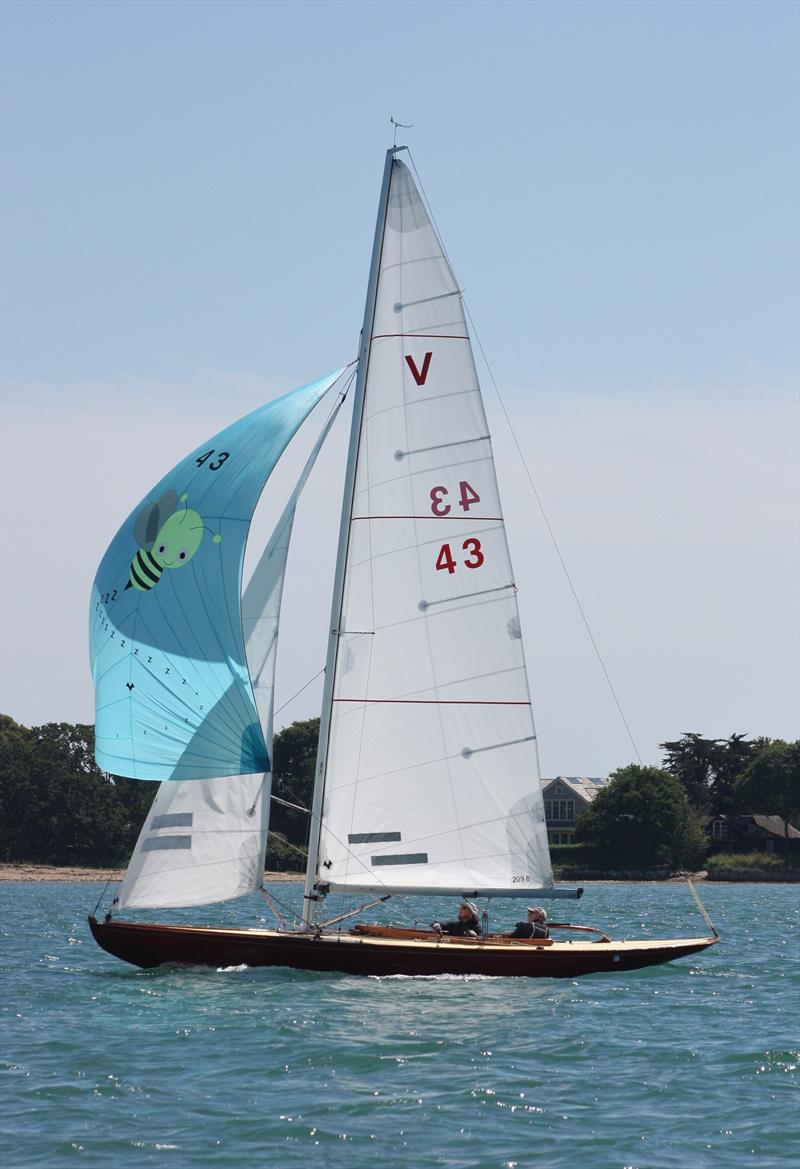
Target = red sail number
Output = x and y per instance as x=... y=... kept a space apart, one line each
x=474 y=547
x=437 y=506
x=467 y=496
x=445 y=558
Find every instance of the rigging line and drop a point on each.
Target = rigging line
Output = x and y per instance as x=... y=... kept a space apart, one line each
x=700 y=905
x=294 y=847
x=536 y=495
x=102 y=895
x=554 y=541
x=299 y=692
x=348 y=383
x=273 y=905
x=290 y=912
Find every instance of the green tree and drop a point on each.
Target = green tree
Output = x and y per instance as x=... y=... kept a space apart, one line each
x=294 y=756
x=642 y=819
x=709 y=768
x=56 y=806
x=17 y=790
x=770 y=784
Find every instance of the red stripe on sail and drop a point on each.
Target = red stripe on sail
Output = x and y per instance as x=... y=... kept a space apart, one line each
x=435 y=701
x=465 y=519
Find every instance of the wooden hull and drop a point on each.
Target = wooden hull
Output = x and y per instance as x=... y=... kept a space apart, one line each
x=157 y=945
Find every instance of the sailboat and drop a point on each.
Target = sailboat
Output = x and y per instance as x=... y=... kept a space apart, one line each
x=427 y=779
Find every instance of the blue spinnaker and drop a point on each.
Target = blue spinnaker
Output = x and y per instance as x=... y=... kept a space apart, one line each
x=173 y=697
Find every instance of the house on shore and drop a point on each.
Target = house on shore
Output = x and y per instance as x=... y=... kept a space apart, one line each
x=751 y=834
x=565 y=797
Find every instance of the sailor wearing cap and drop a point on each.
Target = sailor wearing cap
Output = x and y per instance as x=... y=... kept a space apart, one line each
x=534 y=927
x=466 y=926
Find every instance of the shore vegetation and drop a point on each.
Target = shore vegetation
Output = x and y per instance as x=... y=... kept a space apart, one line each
x=58 y=808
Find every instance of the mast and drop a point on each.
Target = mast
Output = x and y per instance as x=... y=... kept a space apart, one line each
x=309 y=897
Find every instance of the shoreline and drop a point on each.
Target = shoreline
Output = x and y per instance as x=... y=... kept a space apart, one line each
x=42 y=873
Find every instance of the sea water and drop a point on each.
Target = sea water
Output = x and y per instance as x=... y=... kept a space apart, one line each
x=689 y=1065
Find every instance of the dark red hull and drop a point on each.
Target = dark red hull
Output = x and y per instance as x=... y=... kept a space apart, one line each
x=157 y=945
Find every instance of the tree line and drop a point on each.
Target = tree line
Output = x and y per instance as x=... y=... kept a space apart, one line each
x=57 y=807
x=657 y=817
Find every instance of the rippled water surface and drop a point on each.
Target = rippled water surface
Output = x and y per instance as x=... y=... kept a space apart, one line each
x=689 y=1065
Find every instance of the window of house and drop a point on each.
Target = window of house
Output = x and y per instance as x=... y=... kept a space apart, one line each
x=719 y=830
x=560 y=810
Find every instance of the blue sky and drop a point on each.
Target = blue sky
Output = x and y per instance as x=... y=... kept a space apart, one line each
x=189 y=193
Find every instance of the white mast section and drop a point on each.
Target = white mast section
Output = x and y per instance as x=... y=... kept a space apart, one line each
x=309 y=897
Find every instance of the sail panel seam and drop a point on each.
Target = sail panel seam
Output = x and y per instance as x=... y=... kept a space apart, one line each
x=421 y=336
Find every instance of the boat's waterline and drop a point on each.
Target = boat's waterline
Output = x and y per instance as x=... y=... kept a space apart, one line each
x=150 y=945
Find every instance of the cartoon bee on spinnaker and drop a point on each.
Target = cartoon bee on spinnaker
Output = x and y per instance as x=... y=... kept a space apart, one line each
x=168 y=537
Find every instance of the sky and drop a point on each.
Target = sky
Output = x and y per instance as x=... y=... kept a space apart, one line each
x=188 y=202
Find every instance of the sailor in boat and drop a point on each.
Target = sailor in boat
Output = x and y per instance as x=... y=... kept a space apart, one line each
x=466 y=925
x=534 y=927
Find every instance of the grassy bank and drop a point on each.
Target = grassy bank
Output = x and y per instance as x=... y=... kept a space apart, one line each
x=581 y=862
x=752 y=866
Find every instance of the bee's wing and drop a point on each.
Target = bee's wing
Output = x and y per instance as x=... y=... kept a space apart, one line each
x=151 y=518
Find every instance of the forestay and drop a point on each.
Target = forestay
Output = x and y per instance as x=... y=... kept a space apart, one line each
x=172 y=691
x=431 y=780
x=205 y=841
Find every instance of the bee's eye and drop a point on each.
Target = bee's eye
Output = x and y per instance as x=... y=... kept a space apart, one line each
x=182 y=554
x=162 y=549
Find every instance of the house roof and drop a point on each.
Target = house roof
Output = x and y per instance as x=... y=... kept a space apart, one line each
x=775 y=826
x=772 y=824
x=585 y=786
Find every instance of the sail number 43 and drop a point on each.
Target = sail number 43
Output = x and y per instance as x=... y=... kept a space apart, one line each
x=474 y=560
x=467 y=495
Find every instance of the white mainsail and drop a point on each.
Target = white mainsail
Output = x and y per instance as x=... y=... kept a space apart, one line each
x=205 y=840
x=431 y=777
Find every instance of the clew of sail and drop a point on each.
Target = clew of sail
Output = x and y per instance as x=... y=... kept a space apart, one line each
x=205 y=840
x=431 y=777
x=173 y=695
